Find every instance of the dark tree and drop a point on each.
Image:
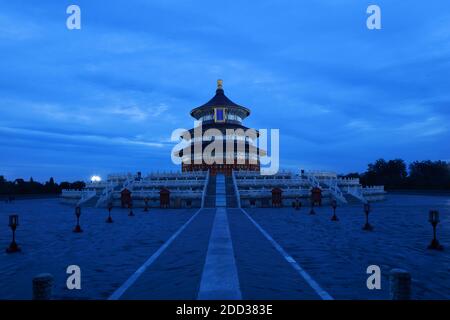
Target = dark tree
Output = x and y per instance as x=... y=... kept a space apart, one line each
x=65 y=185
x=74 y=185
x=51 y=186
x=392 y=174
x=78 y=185
x=429 y=175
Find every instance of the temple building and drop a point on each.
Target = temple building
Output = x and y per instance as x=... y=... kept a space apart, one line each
x=220 y=120
x=221 y=166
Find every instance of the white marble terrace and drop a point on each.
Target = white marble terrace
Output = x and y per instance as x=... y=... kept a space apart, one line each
x=188 y=188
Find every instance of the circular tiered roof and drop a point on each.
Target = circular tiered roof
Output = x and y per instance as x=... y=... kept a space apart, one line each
x=220 y=100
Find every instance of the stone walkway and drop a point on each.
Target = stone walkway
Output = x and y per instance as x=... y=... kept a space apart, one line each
x=220 y=278
x=220 y=254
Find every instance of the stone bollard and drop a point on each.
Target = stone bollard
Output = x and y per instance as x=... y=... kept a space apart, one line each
x=42 y=286
x=399 y=284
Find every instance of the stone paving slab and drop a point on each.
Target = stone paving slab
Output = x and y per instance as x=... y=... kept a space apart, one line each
x=263 y=273
x=220 y=280
x=176 y=274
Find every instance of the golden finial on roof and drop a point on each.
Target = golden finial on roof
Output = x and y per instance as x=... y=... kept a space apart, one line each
x=220 y=84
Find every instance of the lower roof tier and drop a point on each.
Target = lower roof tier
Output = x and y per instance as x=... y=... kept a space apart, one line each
x=234 y=146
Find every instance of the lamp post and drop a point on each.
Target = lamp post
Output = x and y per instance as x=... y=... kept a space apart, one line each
x=146 y=204
x=110 y=206
x=13 y=224
x=367 y=226
x=78 y=214
x=312 y=208
x=334 y=206
x=130 y=207
x=433 y=218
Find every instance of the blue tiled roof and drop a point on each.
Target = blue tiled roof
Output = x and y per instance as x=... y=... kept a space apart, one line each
x=220 y=100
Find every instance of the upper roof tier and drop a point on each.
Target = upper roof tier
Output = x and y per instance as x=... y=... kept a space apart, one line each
x=220 y=100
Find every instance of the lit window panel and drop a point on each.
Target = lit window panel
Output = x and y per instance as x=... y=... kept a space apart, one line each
x=219 y=114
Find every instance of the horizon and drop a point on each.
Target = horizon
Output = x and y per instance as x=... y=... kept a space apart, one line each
x=99 y=178
x=106 y=98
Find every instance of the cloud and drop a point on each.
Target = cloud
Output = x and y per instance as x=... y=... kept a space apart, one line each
x=428 y=127
x=18 y=29
x=79 y=138
x=139 y=113
x=60 y=113
x=359 y=125
x=341 y=95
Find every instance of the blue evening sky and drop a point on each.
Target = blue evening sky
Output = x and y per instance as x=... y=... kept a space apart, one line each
x=107 y=97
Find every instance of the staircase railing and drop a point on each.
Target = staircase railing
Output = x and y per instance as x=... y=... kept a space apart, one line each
x=204 y=189
x=335 y=190
x=330 y=183
x=357 y=193
x=128 y=184
x=312 y=180
x=236 y=189
x=105 y=195
x=86 y=196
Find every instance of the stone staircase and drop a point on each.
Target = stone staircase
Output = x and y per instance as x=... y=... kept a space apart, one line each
x=210 y=197
x=351 y=200
x=231 y=194
x=355 y=194
x=221 y=194
x=88 y=199
x=330 y=184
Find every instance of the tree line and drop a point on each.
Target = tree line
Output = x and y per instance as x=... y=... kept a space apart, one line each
x=20 y=186
x=396 y=174
x=393 y=174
